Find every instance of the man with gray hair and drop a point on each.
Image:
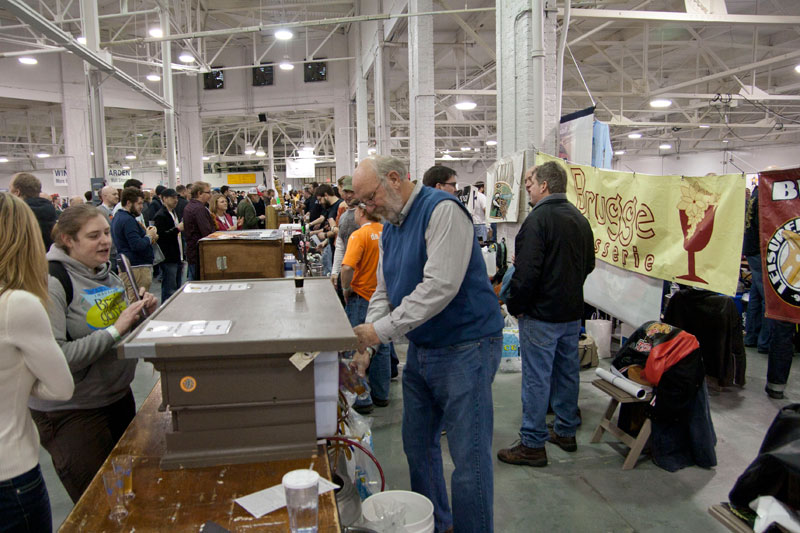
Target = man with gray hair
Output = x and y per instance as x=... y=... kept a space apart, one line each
x=554 y=254
x=432 y=288
x=28 y=187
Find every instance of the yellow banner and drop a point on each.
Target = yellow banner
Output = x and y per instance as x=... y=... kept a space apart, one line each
x=241 y=179
x=678 y=228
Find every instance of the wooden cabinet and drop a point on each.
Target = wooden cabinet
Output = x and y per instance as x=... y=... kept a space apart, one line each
x=241 y=258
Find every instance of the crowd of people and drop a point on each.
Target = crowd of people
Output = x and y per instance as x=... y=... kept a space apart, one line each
x=404 y=257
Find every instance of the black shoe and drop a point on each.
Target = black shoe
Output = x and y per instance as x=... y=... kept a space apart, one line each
x=765 y=352
x=364 y=409
x=379 y=403
x=774 y=394
x=568 y=444
x=522 y=455
x=749 y=345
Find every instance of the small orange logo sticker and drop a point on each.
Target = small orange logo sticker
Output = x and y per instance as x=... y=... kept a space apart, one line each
x=188 y=384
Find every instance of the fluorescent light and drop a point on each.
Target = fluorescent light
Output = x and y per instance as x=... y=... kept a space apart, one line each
x=42 y=155
x=704 y=126
x=206 y=157
x=664 y=146
x=466 y=105
x=660 y=102
x=26 y=60
x=260 y=152
x=283 y=35
x=126 y=167
x=447 y=156
x=130 y=157
x=286 y=64
x=153 y=76
x=797 y=68
x=725 y=140
x=156 y=32
x=186 y=57
x=466 y=148
x=81 y=40
x=634 y=136
x=3 y=160
x=161 y=162
x=491 y=142
x=619 y=152
x=372 y=151
x=248 y=149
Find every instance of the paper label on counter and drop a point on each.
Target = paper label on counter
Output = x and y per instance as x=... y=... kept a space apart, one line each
x=216 y=287
x=190 y=288
x=265 y=501
x=301 y=359
x=193 y=328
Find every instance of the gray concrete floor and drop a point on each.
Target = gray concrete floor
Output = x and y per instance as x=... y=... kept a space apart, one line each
x=586 y=491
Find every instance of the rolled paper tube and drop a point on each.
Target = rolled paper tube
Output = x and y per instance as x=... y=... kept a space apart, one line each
x=634 y=389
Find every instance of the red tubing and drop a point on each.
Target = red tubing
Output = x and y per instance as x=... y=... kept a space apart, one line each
x=366 y=451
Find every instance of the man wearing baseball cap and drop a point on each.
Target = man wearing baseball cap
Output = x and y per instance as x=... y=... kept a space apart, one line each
x=246 y=210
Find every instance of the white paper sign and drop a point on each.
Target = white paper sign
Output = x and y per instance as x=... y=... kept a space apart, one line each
x=192 y=328
x=60 y=177
x=629 y=296
x=265 y=501
x=118 y=176
x=300 y=168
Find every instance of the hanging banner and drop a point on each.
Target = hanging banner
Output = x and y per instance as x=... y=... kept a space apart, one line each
x=242 y=179
x=678 y=228
x=503 y=186
x=118 y=176
x=631 y=297
x=60 y=177
x=779 y=226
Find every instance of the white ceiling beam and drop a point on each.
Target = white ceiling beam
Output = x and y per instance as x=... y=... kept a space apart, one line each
x=470 y=31
x=688 y=18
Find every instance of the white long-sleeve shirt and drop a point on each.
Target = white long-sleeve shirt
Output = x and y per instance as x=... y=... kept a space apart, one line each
x=31 y=364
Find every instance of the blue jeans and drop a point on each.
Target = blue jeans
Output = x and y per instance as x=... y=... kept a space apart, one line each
x=24 y=504
x=451 y=388
x=171 y=279
x=781 y=349
x=757 y=328
x=550 y=373
x=192 y=272
x=481 y=232
x=380 y=372
x=327 y=261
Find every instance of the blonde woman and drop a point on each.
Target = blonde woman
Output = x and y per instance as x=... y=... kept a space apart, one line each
x=31 y=364
x=219 y=209
x=88 y=314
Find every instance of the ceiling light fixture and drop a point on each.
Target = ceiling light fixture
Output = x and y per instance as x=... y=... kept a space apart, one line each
x=664 y=146
x=372 y=151
x=42 y=155
x=660 y=102
x=491 y=142
x=284 y=35
x=156 y=32
x=3 y=160
x=154 y=76
x=466 y=148
x=447 y=156
x=704 y=126
x=725 y=140
x=81 y=40
x=27 y=60
x=634 y=136
x=466 y=105
x=206 y=157
x=161 y=162
x=126 y=167
x=286 y=64
x=186 y=57
x=130 y=157
x=619 y=152
x=260 y=152
x=797 y=69
x=248 y=149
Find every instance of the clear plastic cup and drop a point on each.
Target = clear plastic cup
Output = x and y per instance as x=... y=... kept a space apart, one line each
x=115 y=494
x=124 y=465
x=302 y=500
x=299 y=277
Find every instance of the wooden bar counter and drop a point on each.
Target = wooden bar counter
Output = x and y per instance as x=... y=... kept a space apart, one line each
x=184 y=500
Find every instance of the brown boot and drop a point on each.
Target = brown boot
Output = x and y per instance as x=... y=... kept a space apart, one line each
x=568 y=444
x=522 y=455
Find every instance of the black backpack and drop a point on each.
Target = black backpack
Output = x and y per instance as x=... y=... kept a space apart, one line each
x=58 y=271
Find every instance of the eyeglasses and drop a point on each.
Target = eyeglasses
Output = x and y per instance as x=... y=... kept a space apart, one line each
x=453 y=184
x=371 y=200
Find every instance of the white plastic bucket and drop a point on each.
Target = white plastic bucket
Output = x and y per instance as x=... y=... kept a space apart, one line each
x=419 y=509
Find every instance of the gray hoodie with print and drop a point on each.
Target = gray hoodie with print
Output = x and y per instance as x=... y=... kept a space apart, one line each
x=98 y=297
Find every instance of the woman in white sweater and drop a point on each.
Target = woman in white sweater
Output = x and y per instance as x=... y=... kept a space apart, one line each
x=31 y=364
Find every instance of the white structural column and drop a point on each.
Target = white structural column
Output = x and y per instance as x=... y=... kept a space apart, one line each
x=190 y=132
x=270 y=157
x=526 y=85
x=362 y=115
x=169 y=113
x=94 y=79
x=420 y=88
x=343 y=149
x=75 y=120
x=381 y=99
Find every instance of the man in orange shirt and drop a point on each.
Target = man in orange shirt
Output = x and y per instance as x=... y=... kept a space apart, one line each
x=359 y=280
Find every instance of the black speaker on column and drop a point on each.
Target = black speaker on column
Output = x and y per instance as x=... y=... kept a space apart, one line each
x=262 y=117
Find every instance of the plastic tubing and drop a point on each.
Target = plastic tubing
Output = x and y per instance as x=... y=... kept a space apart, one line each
x=366 y=451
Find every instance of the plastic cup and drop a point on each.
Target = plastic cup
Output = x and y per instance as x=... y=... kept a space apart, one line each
x=299 y=277
x=302 y=500
x=124 y=465
x=114 y=485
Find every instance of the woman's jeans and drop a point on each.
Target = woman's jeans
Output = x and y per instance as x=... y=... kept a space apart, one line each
x=24 y=504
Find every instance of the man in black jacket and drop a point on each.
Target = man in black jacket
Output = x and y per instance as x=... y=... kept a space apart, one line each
x=155 y=206
x=28 y=187
x=169 y=239
x=554 y=254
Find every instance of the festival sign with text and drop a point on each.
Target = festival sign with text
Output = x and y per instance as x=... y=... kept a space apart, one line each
x=779 y=228
x=678 y=228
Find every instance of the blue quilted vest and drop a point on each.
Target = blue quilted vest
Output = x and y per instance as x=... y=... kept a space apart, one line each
x=474 y=313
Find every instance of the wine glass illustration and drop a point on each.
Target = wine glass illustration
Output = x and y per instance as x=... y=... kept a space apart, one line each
x=696 y=211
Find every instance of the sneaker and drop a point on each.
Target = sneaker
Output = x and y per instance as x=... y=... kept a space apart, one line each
x=379 y=403
x=568 y=444
x=522 y=455
x=364 y=409
x=774 y=394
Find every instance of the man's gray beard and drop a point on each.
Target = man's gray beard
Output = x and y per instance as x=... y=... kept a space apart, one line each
x=394 y=206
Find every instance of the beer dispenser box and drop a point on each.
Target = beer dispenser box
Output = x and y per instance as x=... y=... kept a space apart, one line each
x=249 y=368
